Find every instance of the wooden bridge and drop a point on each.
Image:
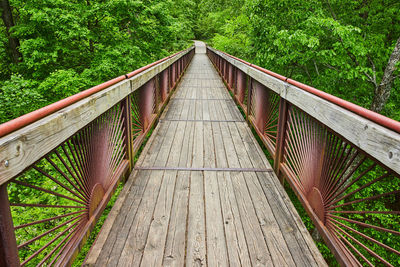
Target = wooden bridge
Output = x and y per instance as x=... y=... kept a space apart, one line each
x=202 y=191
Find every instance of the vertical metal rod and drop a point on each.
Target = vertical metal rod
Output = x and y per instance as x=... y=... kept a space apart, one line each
x=8 y=243
x=282 y=118
x=126 y=106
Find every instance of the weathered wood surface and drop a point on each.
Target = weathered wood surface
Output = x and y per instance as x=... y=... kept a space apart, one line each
x=203 y=218
x=26 y=145
x=377 y=141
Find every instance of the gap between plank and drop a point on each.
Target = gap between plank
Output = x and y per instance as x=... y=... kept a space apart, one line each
x=194 y=120
x=204 y=169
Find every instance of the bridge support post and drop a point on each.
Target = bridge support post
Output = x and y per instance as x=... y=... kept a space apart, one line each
x=8 y=243
x=280 y=142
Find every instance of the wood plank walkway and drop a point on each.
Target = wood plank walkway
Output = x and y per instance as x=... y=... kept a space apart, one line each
x=203 y=193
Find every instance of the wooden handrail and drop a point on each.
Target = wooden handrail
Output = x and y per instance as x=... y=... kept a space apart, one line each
x=24 y=120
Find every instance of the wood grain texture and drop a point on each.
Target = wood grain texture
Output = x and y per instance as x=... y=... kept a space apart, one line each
x=217 y=254
x=196 y=236
x=175 y=246
x=205 y=218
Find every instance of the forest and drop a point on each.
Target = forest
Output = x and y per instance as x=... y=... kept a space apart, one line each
x=51 y=49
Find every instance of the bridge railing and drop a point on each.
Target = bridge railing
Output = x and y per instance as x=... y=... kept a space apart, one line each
x=60 y=165
x=341 y=160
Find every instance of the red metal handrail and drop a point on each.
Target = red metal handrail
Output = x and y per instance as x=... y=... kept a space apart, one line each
x=363 y=112
x=24 y=120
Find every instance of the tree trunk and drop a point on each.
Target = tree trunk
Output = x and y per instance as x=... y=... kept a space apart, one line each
x=382 y=91
x=8 y=23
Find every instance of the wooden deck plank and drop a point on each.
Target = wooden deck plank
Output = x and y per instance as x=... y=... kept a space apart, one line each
x=196 y=236
x=235 y=237
x=154 y=248
x=208 y=141
x=258 y=249
x=231 y=154
x=214 y=218
x=132 y=251
x=185 y=158
x=217 y=254
x=174 y=253
x=198 y=149
x=276 y=243
x=220 y=154
x=206 y=110
x=117 y=242
x=177 y=144
x=292 y=226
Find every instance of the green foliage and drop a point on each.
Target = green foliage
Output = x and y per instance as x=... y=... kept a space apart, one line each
x=335 y=49
x=61 y=84
x=234 y=37
x=18 y=96
x=68 y=46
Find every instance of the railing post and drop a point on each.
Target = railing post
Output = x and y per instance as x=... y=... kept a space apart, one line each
x=280 y=142
x=164 y=85
x=169 y=69
x=157 y=94
x=8 y=243
x=235 y=71
x=249 y=93
x=260 y=98
x=240 y=86
x=127 y=115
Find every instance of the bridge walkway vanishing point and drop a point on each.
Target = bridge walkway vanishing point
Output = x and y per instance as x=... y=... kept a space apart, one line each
x=203 y=192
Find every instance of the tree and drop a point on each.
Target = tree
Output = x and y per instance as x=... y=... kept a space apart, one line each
x=344 y=51
x=8 y=21
x=70 y=45
x=382 y=90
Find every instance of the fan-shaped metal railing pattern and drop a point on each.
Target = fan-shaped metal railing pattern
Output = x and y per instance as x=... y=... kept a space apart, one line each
x=264 y=114
x=345 y=188
x=65 y=187
x=52 y=196
x=352 y=197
